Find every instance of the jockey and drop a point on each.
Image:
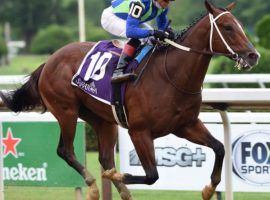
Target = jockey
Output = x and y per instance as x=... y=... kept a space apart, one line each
x=126 y=18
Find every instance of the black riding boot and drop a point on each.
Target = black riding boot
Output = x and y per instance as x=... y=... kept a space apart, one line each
x=126 y=57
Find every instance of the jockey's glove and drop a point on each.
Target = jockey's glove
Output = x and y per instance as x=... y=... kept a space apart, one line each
x=171 y=33
x=160 y=35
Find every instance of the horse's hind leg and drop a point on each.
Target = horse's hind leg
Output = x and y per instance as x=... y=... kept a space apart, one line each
x=88 y=177
x=107 y=137
x=65 y=150
x=62 y=102
x=198 y=133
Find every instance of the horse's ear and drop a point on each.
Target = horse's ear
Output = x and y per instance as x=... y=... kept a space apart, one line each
x=209 y=7
x=231 y=6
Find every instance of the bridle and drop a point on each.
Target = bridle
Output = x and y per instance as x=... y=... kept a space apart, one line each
x=213 y=25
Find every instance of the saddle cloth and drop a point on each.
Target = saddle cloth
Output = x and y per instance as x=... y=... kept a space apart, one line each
x=96 y=69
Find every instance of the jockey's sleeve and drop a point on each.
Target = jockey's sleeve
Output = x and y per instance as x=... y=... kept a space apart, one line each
x=162 y=20
x=133 y=20
x=134 y=31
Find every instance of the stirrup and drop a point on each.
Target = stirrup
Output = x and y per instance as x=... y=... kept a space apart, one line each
x=123 y=77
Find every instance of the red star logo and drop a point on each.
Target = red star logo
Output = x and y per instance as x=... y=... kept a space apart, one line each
x=10 y=144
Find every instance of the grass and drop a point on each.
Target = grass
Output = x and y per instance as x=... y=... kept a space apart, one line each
x=44 y=193
x=23 y=64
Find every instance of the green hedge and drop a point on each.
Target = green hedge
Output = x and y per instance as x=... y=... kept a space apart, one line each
x=263 y=31
x=3 y=48
x=223 y=65
x=94 y=33
x=91 y=139
x=50 y=39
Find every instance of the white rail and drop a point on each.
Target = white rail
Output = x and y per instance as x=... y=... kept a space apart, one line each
x=210 y=78
x=237 y=78
x=235 y=97
x=260 y=79
x=12 y=80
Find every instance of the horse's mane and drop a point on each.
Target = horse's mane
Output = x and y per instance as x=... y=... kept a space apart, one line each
x=183 y=33
x=180 y=37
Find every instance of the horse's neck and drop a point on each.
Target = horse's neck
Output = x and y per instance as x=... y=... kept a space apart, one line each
x=189 y=69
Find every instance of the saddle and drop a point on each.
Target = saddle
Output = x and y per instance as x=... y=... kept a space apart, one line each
x=96 y=69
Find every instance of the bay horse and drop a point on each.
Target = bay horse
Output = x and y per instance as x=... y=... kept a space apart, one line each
x=167 y=99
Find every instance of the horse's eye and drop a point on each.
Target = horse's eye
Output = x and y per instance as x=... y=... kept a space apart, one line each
x=228 y=28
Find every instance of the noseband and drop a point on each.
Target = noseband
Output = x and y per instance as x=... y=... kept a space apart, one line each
x=213 y=25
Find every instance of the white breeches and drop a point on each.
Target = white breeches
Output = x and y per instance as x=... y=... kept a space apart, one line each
x=115 y=25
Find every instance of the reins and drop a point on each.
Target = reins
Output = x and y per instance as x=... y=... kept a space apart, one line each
x=204 y=52
x=172 y=83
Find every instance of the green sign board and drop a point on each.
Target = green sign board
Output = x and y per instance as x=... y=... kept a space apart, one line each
x=30 y=157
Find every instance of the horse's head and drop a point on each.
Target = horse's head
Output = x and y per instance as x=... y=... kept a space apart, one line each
x=227 y=36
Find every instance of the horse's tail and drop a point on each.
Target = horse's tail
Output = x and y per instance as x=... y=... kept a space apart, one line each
x=27 y=97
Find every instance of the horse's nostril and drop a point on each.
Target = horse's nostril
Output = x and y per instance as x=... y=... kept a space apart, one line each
x=253 y=56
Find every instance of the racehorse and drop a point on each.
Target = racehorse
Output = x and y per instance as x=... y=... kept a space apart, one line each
x=165 y=100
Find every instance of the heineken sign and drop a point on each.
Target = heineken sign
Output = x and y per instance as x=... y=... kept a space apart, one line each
x=21 y=173
x=30 y=158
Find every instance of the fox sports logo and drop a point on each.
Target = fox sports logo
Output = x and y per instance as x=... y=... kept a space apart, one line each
x=251 y=157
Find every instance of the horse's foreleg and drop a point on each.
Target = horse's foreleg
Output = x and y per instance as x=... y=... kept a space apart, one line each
x=198 y=133
x=144 y=147
x=66 y=151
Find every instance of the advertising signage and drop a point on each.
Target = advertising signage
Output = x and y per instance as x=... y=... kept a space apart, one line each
x=30 y=158
x=183 y=165
x=251 y=157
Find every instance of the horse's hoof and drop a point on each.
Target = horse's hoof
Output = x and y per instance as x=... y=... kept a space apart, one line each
x=93 y=193
x=208 y=192
x=89 y=181
x=125 y=196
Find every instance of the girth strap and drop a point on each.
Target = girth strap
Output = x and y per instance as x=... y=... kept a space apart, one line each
x=118 y=107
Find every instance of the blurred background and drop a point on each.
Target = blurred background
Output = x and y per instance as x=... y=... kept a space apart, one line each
x=35 y=27
x=31 y=30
